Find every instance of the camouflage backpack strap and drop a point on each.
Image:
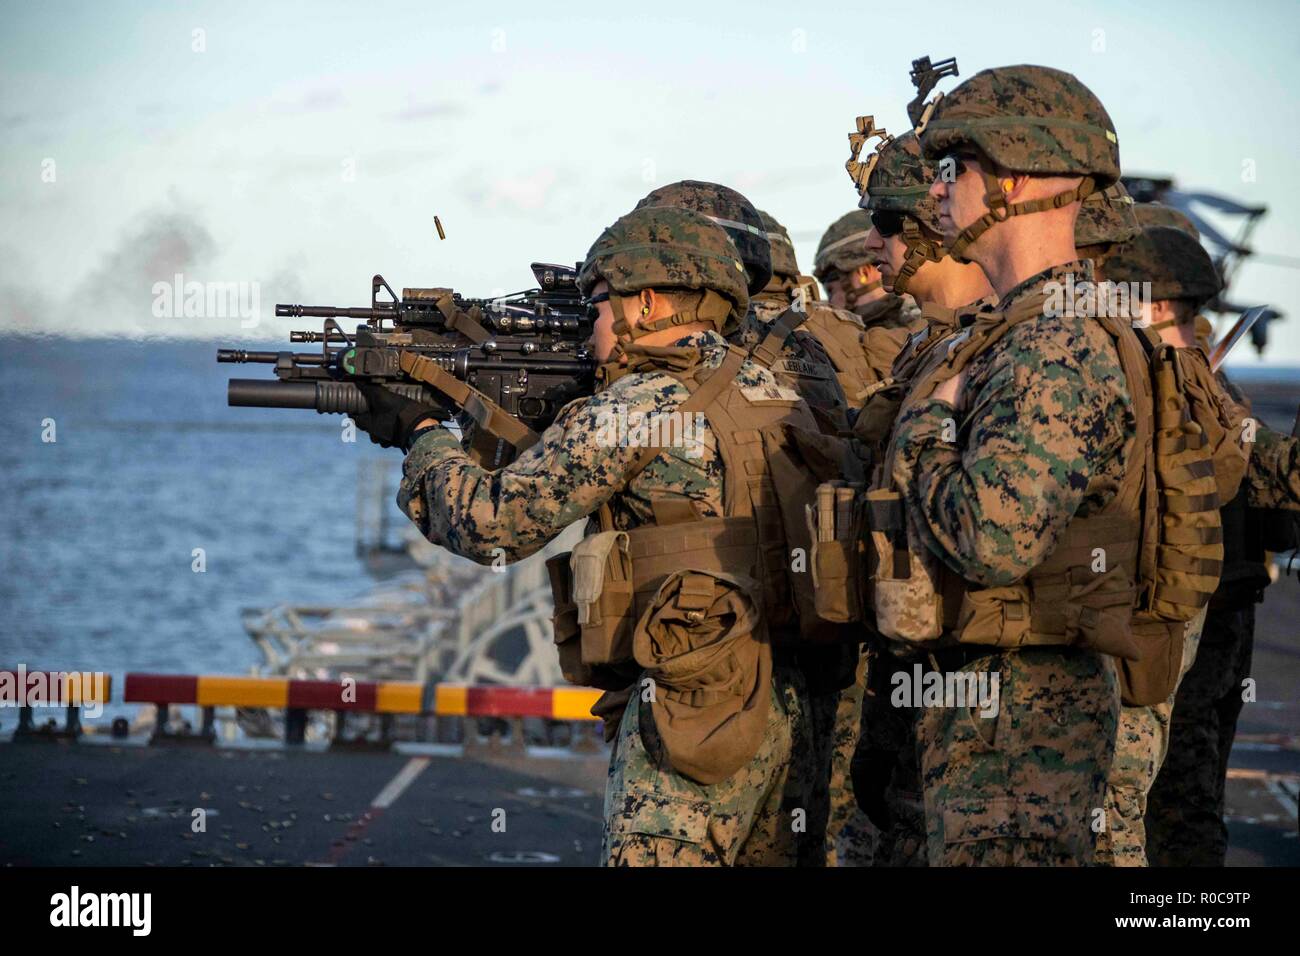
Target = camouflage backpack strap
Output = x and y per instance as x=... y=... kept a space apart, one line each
x=604 y=518
x=704 y=390
x=1136 y=493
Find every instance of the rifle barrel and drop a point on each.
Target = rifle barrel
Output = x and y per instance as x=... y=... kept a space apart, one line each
x=240 y=356
x=329 y=312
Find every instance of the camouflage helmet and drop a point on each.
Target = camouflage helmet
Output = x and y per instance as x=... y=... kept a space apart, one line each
x=1025 y=119
x=730 y=210
x=1176 y=265
x=901 y=180
x=1158 y=214
x=897 y=178
x=784 y=263
x=843 y=247
x=1106 y=217
x=669 y=249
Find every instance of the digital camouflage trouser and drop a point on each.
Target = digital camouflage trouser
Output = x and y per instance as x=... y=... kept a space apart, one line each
x=1021 y=787
x=759 y=816
x=1184 y=820
x=849 y=834
x=1140 y=748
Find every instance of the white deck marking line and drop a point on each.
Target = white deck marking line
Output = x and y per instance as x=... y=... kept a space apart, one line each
x=397 y=786
x=1279 y=793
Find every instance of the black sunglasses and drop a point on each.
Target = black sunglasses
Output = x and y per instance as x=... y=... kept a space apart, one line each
x=593 y=313
x=958 y=161
x=887 y=222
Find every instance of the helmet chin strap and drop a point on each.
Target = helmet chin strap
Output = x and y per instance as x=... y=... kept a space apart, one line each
x=1000 y=210
x=852 y=295
x=920 y=250
x=613 y=368
x=711 y=308
x=627 y=356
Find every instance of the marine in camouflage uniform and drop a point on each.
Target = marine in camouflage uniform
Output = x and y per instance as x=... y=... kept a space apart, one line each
x=1045 y=431
x=653 y=813
x=850 y=277
x=859 y=361
x=1183 y=279
x=905 y=242
x=1179 y=271
x=835 y=712
x=802 y=363
x=1184 y=810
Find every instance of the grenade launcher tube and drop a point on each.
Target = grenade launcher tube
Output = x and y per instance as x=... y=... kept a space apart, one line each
x=323 y=396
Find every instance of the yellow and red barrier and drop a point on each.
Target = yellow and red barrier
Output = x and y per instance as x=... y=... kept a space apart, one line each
x=296 y=698
x=376 y=697
x=387 y=698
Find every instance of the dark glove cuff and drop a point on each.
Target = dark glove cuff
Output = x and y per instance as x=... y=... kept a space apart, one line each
x=413 y=436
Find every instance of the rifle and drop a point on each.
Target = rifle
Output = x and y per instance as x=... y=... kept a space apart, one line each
x=1219 y=352
x=507 y=365
x=924 y=76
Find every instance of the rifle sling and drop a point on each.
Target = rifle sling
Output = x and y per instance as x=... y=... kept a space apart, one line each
x=489 y=416
x=458 y=320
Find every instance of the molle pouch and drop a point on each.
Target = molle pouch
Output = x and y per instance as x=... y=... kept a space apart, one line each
x=568 y=634
x=1220 y=417
x=904 y=575
x=996 y=616
x=1099 y=613
x=1189 y=552
x=835 y=581
x=703 y=644
x=797 y=459
x=1153 y=678
x=602 y=594
x=833 y=528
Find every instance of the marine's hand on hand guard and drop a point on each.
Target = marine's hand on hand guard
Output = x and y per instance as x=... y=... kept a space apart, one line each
x=391 y=418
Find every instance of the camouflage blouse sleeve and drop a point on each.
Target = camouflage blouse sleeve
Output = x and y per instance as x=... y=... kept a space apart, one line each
x=994 y=504
x=514 y=511
x=1273 y=475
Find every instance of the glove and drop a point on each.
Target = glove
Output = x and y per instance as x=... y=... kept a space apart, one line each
x=390 y=418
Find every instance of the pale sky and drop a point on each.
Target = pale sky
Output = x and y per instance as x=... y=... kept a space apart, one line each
x=307 y=146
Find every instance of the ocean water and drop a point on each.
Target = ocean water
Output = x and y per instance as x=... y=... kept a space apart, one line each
x=99 y=527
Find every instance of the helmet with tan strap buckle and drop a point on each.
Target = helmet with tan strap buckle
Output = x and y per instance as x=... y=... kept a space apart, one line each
x=897 y=178
x=668 y=249
x=1024 y=119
